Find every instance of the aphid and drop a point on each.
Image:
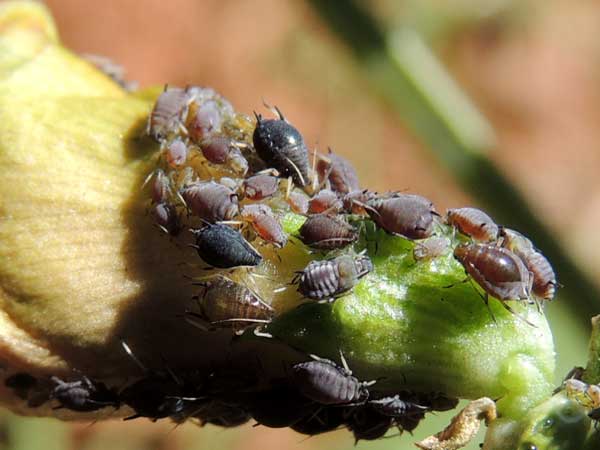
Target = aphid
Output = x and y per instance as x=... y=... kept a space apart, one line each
x=325 y=232
x=110 y=68
x=298 y=202
x=169 y=113
x=210 y=201
x=207 y=114
x=406 y=215
x=161 y=187
x=265 y=224
x=431 y=248
x=228 y=304
x=587 y=395
x=83 y=395
x=167 y=218
x=320 y=421
x=154 y=397
x=497 y=270
x=368 y=424
x=272 y=408
x=176 y=153
x=223 y=247
x=326 y=383
x=544 y=280
x=339 y=172
x=354 y=202
x=222 y=414
x=394 y=406
x=222 y=150
x=325 y=201
x=281 y=146
x=260 y=186
x=331 y=278
x=474 y=223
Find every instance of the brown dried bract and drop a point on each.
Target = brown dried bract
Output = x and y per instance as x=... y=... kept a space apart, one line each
x=463 y=427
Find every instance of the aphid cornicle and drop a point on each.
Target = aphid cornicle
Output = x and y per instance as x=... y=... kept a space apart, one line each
x=169 y=113
x=265 y=224
x=339 y=172
x=544 y=279
x=223 y=247
x=83 y=395
x=325 y=232
x=474 y=223
x=260 y=186
x=497 y=270
x=226 y=303
x=210 y=201
x=326 y=383
x=406 y=215
x=325 y=201
x=329 y=279
x=281 y=146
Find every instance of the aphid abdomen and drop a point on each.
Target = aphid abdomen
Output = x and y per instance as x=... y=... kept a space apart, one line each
x=325 y=201
x=260 y=186
x=265 y=224
x=319 y=280
x=339 y=172
x=325 y=232
x=474 y=223
x=169 y=113
x=406 y=215
x=497 y=270
x=281 y=146
x=326 y=384
x=211 y=201
x=223 y=247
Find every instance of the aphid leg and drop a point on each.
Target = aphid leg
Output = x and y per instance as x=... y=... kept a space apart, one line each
x=262 y=334
x=486 y=300
x=457 y=283
x=194 y=320
x=132 y=356
x=518 y=316
x=345 y=363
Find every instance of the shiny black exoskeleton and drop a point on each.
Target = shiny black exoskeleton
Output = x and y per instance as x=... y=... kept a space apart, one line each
x=223 y=247
x=83 y=395
x=281 y=146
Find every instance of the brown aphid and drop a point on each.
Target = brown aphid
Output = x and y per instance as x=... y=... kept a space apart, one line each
x=474 y=223
x=431 y=248
x=167 y=218
x=226 y=303
x=325 y=232
x=354 y=202
x=406 y=215
x=327 y=280
x=221 y=150
x=339 y=172
x=260 y=186
x=544 y=279
x=169 y=113
x=176 y=153
x=497 y=270
x=325 y=201
x=265 y=224
x=210 y=201
x=298 y=201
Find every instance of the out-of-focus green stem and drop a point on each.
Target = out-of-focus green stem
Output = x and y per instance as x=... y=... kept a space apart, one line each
x=408 y=75
x=592 y=370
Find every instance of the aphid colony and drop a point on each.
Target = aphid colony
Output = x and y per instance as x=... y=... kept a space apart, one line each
x=223 y=184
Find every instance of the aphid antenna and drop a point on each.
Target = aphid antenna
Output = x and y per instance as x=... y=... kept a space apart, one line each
x=258 y=116
x=193 y=319
x=240 y=320
x=302 y=180
x=345 y=363
x=183 y=202
x=133 y=357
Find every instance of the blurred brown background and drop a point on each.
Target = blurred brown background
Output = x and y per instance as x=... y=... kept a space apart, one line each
x=532 y=68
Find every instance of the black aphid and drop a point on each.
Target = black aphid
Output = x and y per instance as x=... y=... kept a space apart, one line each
x=368 y=424
x=394 y=406
x=223 y=247
x=281 y=146
x=154 y=397
x=83 y=395
x=327 y=383
x=331 y=278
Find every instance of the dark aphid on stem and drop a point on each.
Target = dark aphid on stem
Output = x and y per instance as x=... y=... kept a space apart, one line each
x=226 y=303
x=326 y=383
x=210 y=201
x=329 y=279
x=320 y=421
x=83 y=395
x=497 y=270
x=223 y=247
x=339 y=172
x=431 y=248
x=222 y=150
x=176 y=153
x=394 y=406
x=544 y=279
x=325 y=232
x=282 y=147
x=474 y=223
x=167 y=218
x=368 y=424
x=222 y=414
x=406 y=215
x=169 y=113
x=280 y=407
x=154 y=397
x=325 y=201
x=260 y=186
x=265 y=224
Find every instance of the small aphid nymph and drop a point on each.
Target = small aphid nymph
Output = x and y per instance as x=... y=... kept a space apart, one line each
x=83 y=395
x=176 y=153
x=431 y=248
x=169 y=113
x=339 y=172
x=260 y=186
x=474 y=223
